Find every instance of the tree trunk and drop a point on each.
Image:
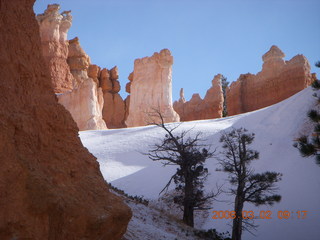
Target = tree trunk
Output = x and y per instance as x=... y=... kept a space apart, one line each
x=237 y=222
x=188 y=215
x=188 y=201
x=238 y=207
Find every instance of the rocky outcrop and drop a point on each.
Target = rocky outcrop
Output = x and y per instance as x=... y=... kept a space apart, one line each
x=127 y=100
x=85 y=101
x=50 y=185
x=78 y=62
x=78 y=93
x=114 y=107
x=278 y=80
x=113 y=111
x=53 y=31
x=197 y=109
x=151 y=89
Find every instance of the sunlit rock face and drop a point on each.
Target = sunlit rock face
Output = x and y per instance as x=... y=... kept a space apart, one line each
x=68 y=65
x=208 y=108
x=50 y=185
x=85 y=101
x=53 y=32
x=278 y=80
x=151 y=89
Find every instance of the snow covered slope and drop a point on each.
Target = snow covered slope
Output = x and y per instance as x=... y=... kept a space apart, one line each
x=122 y=162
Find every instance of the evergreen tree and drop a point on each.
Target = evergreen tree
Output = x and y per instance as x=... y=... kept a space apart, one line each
x=310 y=145
x=189 y=155
x=256 y=188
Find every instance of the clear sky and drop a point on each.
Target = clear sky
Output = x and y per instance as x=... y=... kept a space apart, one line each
x=205 y=37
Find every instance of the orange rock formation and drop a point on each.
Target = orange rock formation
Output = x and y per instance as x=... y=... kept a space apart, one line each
x=114 y=107
x=50 y=185
x=53 y=31
x=197 y=109
x=68 y=64
x=151 y=89
x=278 y=80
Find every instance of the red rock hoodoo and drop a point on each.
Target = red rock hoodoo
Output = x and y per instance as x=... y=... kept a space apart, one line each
x=197 y=109
x=151 y=89
x=50 y=185
x=68 y=65
x=278 y=80
x=53 y=32
x=114 y=107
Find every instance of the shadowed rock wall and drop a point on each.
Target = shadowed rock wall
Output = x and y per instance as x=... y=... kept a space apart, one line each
x=50 y=185
x=114 y=107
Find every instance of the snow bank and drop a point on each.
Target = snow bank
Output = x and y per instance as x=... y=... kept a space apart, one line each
x=123 y=163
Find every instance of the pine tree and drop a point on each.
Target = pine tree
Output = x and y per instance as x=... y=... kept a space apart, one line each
x=256 y=188
x=189 y=155
x=310 y=145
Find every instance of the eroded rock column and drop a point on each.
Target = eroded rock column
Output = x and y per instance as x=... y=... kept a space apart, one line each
x=53 y=32
x=85 y=101
x=151 y=89
x=68 y=65
x=114 y=107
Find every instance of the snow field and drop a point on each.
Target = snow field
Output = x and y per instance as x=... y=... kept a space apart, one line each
x=121 y=154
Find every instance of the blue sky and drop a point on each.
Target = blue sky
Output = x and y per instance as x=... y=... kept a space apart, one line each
x=205 y=37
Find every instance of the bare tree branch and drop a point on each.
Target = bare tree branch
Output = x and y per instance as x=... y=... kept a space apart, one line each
x=188 y=151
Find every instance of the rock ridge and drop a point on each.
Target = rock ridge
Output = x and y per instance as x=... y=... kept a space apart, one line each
x=278 y=80
x=198 y=109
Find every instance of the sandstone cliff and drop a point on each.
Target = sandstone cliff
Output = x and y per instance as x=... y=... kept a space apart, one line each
x=50 y=185
x=278 y=80
x=197 y=109
x=68 y=64
x=151 y=89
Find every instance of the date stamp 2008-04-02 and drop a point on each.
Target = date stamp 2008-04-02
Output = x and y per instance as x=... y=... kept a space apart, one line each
x=260 y=214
